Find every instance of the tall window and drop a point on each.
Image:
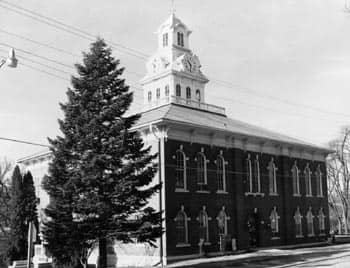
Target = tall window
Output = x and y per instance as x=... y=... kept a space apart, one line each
x=307 y=174
x=188 y=92
x=201 y=168
x=180 y=159
x=181 y=227
x=198 y=95
x=295 y=178
x=249 y=173
x=178 y=90
x=222 y=219
x=149 y=96
x=272 y=177
x=180 y=39
x=274 y=221
x=319 y=182
x=298 y=224
x=203 y=220
x=256 y=180
x=167 y=91
x=158 y=93
x=221 y=173
x=310 y=222
x=165 y=39
x=321 y=221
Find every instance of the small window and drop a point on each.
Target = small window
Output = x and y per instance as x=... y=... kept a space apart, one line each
x=182 y=227
x=180 y=39
x=158 y=93
x=149 y=95
x=307 y=174
x=310 y=223
x=272 y=177
x=165 y=39
x=319 y=182
x=249 y=174
x=188 y=92
x=274 y=221
x=203 y=225
x=198 y=95
x=201 y=169
x=221 y=173
x=167 y=90
x=256 y=179
x=180 y=158
x=321 y=221
x=178 y=90
x=222 y=219
x=298 y=224
x=295 y=178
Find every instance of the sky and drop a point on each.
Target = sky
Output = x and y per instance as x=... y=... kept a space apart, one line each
x=283 y=65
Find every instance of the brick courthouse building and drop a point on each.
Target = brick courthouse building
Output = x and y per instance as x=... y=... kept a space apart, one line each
x=226 y=184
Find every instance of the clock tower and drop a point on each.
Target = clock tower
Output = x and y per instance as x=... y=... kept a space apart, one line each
x=174 y=71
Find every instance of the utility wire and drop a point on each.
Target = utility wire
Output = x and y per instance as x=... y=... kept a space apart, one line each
x=143 y=55
x=24 y=142
x=69 y=28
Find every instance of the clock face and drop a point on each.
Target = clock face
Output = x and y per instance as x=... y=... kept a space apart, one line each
x=190 y=64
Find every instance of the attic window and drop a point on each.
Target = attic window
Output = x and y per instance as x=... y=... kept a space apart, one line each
x=165 y=40
x=180 y=39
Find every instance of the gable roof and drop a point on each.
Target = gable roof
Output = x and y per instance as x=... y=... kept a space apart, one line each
x=185 y=115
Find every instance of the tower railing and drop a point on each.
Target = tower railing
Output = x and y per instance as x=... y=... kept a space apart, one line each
x=186 y=102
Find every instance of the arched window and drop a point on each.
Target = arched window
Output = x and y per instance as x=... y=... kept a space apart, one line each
x=203 y=220
x=158 y=93
x=274 y=221
x=319 y=182
x=256 y=180
x=180 y=39
x=188 y=93
x=272 y=177
x=180 y=159
x=298 y=224
x=310 y=222
x=221 y=173
x=307 y=174
x=321 y=221
x=201 y=169
x=222 y=219
x=178 y=90
x=165 y=39
x=167 y=91
x=149 y=96
x=295 y=178
x=182 y=227
x=198 y=95
x=249 y=174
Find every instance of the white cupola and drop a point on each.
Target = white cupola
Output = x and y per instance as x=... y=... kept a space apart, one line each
x=173 y=72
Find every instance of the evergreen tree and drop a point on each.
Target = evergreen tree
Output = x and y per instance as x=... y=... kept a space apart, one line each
x=100 y=165
x=17 y=249
x=30 y=200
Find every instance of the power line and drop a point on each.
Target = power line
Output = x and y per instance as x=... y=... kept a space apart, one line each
x=24 y=142
x=69 y=28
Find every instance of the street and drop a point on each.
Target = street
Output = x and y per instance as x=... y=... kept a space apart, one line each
x=328 y=256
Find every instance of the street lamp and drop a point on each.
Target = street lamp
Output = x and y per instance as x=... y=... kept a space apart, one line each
x=11 y=60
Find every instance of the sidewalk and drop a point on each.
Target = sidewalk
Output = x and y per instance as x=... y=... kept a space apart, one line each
x=262 y=253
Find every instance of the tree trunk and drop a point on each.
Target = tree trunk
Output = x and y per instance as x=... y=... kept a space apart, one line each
x=345 y=218
x=102 y=253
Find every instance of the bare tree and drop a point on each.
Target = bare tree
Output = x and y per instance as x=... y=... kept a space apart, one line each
x=338 y=165
x=5 y=167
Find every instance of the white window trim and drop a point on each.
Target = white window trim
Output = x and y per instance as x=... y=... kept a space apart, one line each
x=321 y=217
x=250 y=175
x=297 y=214
x=224 y=163
x=274 y=211
x=207 y=225
x=308 y=222
x=308 y=175
x=227 y=218
x=257 y=166
x=297 y=171
x=272 y=165
x=187 y=219
x=319 y=182
x=184 y=170
x=205 y=161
